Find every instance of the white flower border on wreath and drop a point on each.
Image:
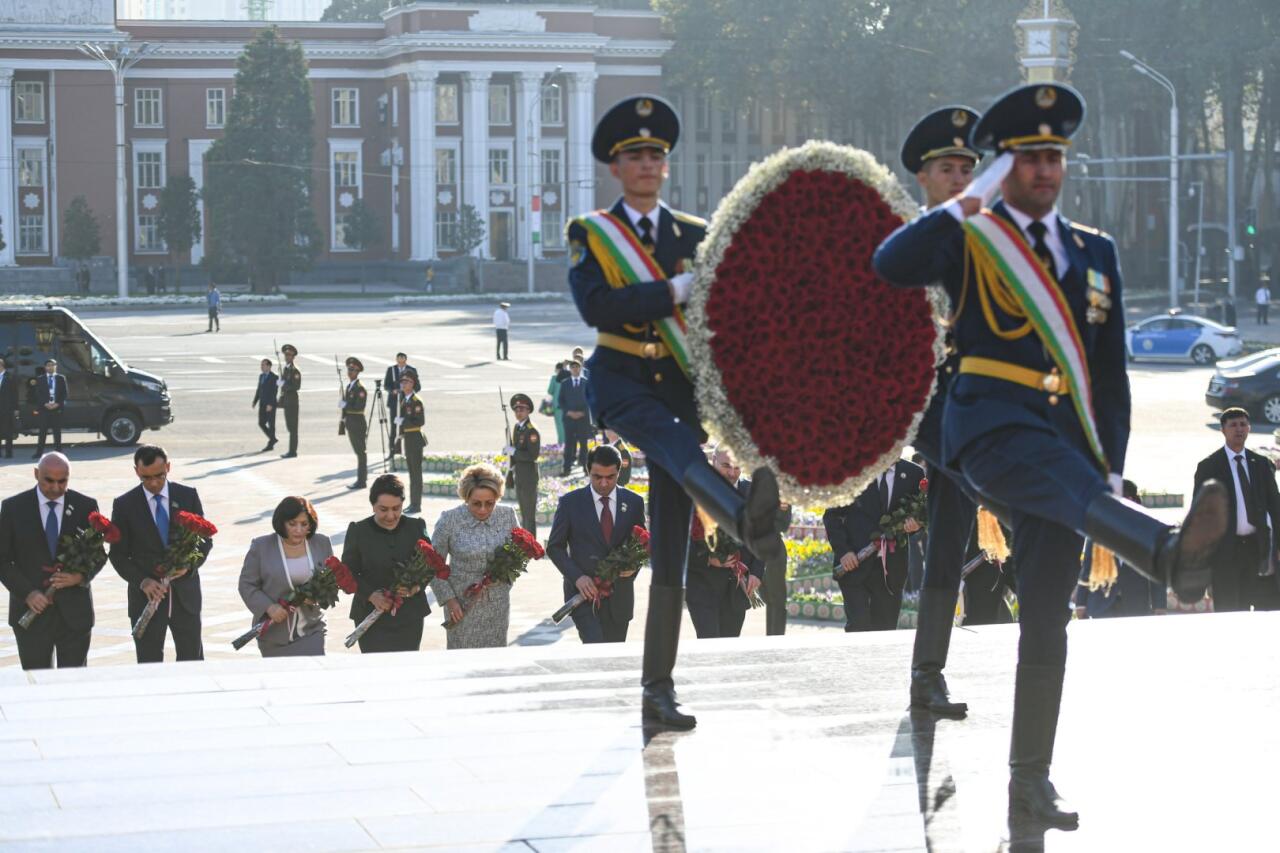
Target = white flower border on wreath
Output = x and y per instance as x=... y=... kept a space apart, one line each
x=723 y=421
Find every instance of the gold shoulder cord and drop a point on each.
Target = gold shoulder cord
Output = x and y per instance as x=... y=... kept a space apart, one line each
x=612 y=273
x=992 y=288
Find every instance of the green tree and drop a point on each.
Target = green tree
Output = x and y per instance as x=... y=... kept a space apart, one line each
x=258 y=187
x=471 y=234
x=362 y=231
x=3 y=244
x=353 y=11
x=81 y=237
x=179 y=219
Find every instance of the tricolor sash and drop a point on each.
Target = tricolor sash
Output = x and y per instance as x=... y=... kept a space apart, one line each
x=624 y=262
x=1001 y=254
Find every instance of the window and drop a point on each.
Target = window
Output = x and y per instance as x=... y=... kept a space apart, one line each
x=446 y=229
x=552 y=229
x=215 y=107
x=31 y=234
x=728 y=121
x=345 y=108
x=726 y=176
x=150 y=170
x=395 y=107
x=702 y=171
x=446 y=166
x=552 y=106
x=149 y=233
x=28 y=96
x=340 y=230
x=446 y=103
x=499 y=104
x=499 y=166
x=552 y=173
x=703 y=114
x=30 y=167
x=779 y=117
x=146 y=108
x=346 y=166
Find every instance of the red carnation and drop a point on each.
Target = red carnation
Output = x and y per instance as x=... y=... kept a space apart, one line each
x=432 y=558
x=442 y=574
x=526 y=543
x=924 y=484
x=110 y=533
x=641 y=535
x=342 y=574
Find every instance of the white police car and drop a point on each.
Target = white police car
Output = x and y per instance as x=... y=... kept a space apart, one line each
x=1175 y=336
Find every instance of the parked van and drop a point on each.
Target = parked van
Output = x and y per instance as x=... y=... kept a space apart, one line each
x=104 y=395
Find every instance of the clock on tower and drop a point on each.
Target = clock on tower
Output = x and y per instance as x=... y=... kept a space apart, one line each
x=1046 y=35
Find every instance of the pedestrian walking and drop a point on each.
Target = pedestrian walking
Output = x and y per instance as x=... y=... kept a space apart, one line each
x=501 y=326
x=214 y=300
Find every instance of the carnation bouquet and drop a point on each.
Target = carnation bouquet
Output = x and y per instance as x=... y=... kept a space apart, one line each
x=185 y=550
x=725 y=552
x=622 y=561
x=423 y=566
x=321 y=591
x=509 y=561
x=893 y=525
x=81 y=552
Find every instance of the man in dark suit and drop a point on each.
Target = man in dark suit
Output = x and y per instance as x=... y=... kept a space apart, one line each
x=8 y=407
x=145 y=516
x=391 y=384
x=588 y=523
x=1243 y=566
x=264 y=398
x=32 y=523
x=290 y=383
x=1132 y=594
x=48 y=394
x=717 y=603
x=577 y=418
x=872 y=594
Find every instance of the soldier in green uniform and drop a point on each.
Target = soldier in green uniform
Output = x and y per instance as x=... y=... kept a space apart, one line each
x=410 y=421
x=624 y=473
x=352 y=405
x=290 y=381
x=525 y=447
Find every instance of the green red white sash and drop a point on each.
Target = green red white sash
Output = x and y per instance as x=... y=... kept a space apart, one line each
x=997 y=241
x=624 y=262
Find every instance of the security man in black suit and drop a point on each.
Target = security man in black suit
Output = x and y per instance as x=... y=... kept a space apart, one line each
x=1244 y=564
x=290 y=383
x=391 y=384
x=33 y=524
x=265 y=398
x=1012 y=423
x=9 y=418
x=353 y=401
x=48 y=393
x=872 y=592
x=146 y=517
x=524 y=450
x=572 y=398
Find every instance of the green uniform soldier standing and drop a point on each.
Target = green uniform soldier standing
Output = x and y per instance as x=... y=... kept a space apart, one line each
x=410 y=421
x=290 y=381
x=526 y=446
x=624 y=473
x=352 y=405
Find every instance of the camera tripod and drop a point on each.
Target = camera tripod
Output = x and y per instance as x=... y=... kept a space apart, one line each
x=380 y=407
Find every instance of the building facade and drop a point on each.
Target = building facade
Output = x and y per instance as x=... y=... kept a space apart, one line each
x=437 y=106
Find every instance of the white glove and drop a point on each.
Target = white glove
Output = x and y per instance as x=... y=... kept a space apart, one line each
x=280 y=383
x=1116 y=482
x=399 y=421
x=987 y=184
x=342 y=404
x=680 y=286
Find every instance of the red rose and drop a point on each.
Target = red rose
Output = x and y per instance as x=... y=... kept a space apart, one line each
x=342 y=574
x=641 y=535
x=526 y=543
x=442 y=574
x=924 y=484
x=99 y=522
x=112 y=535
x=432 y=558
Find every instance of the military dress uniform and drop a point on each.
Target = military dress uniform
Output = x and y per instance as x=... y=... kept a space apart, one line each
x=353 y=404
x=412 y=419
x=639 y=391
x=526 y=446
x=1010 y=428
x=624 y=471
x=290 y=383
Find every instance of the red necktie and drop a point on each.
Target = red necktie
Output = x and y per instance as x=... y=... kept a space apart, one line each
x=606 y=519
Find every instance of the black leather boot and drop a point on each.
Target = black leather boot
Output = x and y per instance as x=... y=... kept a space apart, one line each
x=751 y=521
x=1174 y=556
x=661 y=639
x=1037 y=696
x=933 y=638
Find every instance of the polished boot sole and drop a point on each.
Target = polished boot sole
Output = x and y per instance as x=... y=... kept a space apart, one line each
x=1059 y=820
x=654 y=718
x=955 y=711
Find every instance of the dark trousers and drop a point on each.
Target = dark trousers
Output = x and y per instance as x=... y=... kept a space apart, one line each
x=951 y=524
x=716 y=605
x=183 y=624
x=873 y=602
x=8 y=428
x=984 y=595
x=1263 y=310
x=213 y=320
x=576 y=434
x=356 y=428
x=774 y=593
x=602 y=623
x=413 y=445
x=267 y=423
x=290 y=406
x=48 y=634
x=391 y=423
x=1236 y=585
x=502 y=344
x=50 y=421
x=388 y=636
x=526 y=476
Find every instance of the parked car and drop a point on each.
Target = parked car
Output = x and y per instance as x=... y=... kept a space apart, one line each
x=1254 y=387
x=1176 y=336
x=1246 y=360
x=104 y=395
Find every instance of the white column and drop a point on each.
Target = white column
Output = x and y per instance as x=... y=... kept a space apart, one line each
x=475 y=148
x=528 y=120
x=580 y=197
x=196 y=149
x=422 y=164
x=7 y=187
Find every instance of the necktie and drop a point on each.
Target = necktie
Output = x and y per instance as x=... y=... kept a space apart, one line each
x=1243 y=475
x=162 y=520
x=53 y=397
x=884 y=492
x=606 y=519
x=1041 y=248
x=51 y=529
x=646 y=233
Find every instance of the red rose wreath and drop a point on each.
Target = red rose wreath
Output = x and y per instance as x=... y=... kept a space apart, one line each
x=803 y=359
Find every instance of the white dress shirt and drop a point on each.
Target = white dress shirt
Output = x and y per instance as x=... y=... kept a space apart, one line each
x=1243 y=527
x=613 y=503
x=1262 y=295
x=887 y=477
x=151 y=502
x=45 y=509
x=1052 y=238
x=635 y=216
x=501 y=319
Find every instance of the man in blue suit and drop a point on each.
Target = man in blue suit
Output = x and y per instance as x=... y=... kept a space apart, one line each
x=638 y=387
x=264 y=398
x=589 y=522
x=49 y=394
x=572 y=399
x=1014 y=426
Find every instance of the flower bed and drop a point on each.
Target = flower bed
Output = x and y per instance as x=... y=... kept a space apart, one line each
x=446 y=298
x=1160 y=500
x=22 y=300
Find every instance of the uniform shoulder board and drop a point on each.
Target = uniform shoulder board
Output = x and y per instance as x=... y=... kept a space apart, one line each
x=1090 y=230
x=689 y=218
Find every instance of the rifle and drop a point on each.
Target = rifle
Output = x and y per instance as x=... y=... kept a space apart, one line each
x=506 y=432
x=342 y=395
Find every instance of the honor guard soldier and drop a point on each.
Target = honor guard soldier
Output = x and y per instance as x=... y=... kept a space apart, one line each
x=616 y=442
x=525 y=448
x=639 y=389
x=352 y=405
x=290 y=382
x=411 y=419
x=391 y=384
x=1037 y=415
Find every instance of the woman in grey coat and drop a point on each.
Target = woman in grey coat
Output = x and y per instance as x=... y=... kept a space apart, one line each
x=467 y=536
x=274 y=565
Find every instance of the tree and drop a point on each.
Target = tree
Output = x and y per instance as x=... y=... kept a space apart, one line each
x=363 y=230
x=470 y=237
x=81 y=238
x=258 y=187
x=3 y=244
x=352 y=11
x=179 y=219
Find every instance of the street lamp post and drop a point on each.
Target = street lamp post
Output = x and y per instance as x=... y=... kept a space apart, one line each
x=1146 y=70
x=531 y=181
x=1197 y=190
x=119 y=58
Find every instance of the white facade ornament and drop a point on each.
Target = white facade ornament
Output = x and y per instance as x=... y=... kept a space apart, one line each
x=497 y=197
x=550 y=197
x=507 y=21
x=149 y=201
x=346 y=199
x=31 y=201
x=444 y=197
